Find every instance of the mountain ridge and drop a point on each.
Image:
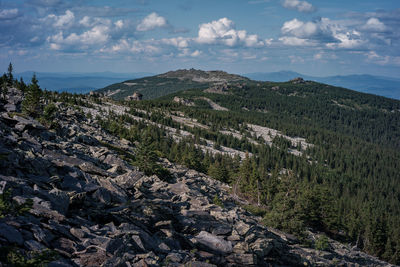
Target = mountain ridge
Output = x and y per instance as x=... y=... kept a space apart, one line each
x=366 y=83
x=383 y=86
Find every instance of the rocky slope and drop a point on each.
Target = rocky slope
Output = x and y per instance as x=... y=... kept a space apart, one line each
x=93 y=208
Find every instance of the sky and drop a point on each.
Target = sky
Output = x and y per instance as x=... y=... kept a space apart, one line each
x=313 y=37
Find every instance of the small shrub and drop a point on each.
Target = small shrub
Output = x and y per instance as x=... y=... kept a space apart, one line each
x=10 y=207
x=12 y=256
x=217 y=201
x=49 y=112
x=258 y=211
x=48 y=116
x=322 y=243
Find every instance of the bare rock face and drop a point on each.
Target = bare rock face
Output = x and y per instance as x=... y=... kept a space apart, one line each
x=13 y=99
x=93 y=208
x=136 y=97
x=297 y=80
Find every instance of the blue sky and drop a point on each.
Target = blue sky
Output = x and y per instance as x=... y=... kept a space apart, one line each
x=315 y=37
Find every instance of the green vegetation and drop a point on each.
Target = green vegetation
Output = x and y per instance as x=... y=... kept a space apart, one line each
x=11 y=256
x=48 y=116
x=217 y=201
x=7 y=80
x=322 y=243
x=170 y=82
x=31 y=104
x=345 y=185
x=8 y=207
x=154 y=87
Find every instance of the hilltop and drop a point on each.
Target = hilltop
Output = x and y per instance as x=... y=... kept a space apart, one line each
x=170 y=82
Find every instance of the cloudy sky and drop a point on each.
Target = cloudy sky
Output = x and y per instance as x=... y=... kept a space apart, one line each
x=315 y=37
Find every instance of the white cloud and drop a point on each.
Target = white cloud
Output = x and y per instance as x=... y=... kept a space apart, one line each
x=223 y=31
x=373 y=57
x=294 y=41
x=374 y=24
x=268 y=41
x=148 y=47
x=85 y=21
x=301 y=6
x=8 y=13
x=119 y=24
x=299 y=29
x=65 y=20
x=196 y=53
x=151 y=22
x=348 y=40
x=98 y=35
x=178 y=42
x=324 y=32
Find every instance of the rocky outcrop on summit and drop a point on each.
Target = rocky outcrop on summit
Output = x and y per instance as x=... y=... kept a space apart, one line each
x=203 y=76
x=93 y=208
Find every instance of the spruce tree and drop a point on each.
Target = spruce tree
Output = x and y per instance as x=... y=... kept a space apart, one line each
x=31 y=103
x=10 y=77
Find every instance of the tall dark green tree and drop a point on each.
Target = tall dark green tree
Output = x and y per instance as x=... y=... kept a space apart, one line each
x=10 y=77
x=31 y=104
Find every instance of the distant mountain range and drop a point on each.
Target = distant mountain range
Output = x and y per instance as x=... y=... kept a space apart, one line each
x=74 y=82
x=378 y=85
x=78 y=82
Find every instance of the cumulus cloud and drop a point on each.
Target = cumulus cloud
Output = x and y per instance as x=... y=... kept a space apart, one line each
x=8 y=13
x=98 y=35
x=223 y=31
x=178 y=42
x=151 y=22
x=299 y=29
x=323 y=31
x=119 y=24
x=62 y=21
x=374 y=24
x=301 y=6
x=294 y=41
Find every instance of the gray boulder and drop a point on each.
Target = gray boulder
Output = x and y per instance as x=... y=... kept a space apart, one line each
x=213 y=243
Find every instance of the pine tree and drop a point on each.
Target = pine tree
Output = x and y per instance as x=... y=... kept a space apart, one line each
x=10 y=77
x=31 y=103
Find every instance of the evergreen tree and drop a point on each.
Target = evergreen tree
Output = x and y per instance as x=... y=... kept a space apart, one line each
x=31 y=104
x=10 y=77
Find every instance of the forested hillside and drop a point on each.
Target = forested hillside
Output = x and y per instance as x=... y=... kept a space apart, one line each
x=346 y=184
x=303 y=155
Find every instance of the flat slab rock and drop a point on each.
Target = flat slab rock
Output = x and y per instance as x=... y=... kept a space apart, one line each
x=213 y=243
